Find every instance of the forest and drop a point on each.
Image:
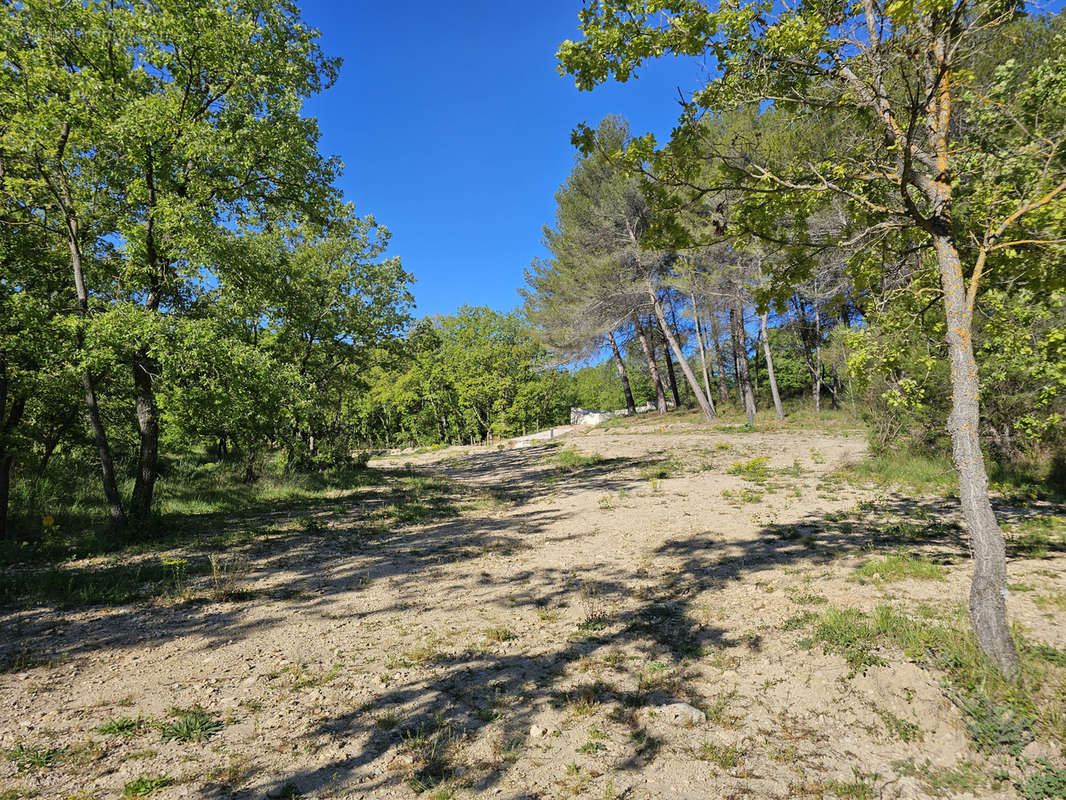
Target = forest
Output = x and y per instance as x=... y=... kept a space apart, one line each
x=859 y=218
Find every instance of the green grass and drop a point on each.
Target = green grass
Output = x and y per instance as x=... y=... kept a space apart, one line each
x=899 y=566
x=920 y=473
x=569 y=460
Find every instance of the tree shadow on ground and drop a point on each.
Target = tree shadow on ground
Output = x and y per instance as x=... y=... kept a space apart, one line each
x=662 y=622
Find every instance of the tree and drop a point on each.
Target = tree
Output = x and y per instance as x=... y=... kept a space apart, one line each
x=147 y=130
x=894 y=78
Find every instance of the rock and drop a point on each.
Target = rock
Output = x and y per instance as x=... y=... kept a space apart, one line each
x=682 y=713
x=537 y=732
x=1035 y=751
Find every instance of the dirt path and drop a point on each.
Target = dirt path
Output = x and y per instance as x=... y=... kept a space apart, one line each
x=521 y=646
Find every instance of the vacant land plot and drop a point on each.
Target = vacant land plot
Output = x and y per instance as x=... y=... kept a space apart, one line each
x=523 y=623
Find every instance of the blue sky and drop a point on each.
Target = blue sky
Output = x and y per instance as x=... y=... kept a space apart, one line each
x=454 y=128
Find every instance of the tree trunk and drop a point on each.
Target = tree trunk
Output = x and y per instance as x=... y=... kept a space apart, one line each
x=18 y=406
x=148 y=427
x=740 y=350
x=705 y=406
x=631 y=406
x=988 y=592
x=103 y=447
x=660 y=395
x=719 y=351
x=703 y=354
x=778 y=410
x=816 y=382
x=671 y=376
x=103 y=450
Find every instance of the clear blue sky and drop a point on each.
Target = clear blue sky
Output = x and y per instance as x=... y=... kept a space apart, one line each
x=454 y=128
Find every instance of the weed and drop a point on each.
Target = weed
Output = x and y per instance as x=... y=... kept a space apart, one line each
x=860 y=787
x=499 y=635
x=799 y=621
x=757 y=469
x=122 y=726
x=305 y=679
x=145 y=785
x=725 y=756
x=996 y=726
x=193 y=724
x=29 y=758
x=387 y=721
x=942 y=781
x=1047 y=784
x=850 y=634
x=227 y=578
x=901 y=729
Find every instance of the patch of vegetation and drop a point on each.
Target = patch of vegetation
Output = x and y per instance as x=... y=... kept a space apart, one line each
x=145 y=785
x=123 y=726
x=898 y=566
x=193 y=724
x=860 y=787
x=30 y=758
x=898 y=728
x=724 y=756
x=757 y=469
x=569 y=460
x=303 y=678
x=500 y=634
x=996 y=726
x=918 y=472
x=942 y=781
x=1049 y=783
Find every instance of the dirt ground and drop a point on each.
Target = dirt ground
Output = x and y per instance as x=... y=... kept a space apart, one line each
x=526 y=644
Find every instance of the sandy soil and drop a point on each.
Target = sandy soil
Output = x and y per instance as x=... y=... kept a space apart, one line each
x=520 y=648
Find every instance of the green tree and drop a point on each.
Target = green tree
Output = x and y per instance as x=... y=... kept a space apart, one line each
x=898 y=76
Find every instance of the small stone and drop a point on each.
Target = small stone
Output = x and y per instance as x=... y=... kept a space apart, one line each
x=537 y=732
x=682 y=713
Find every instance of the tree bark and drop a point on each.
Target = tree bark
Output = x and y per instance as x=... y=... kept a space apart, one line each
x=816 y=383
x=988 y=591
x=660 y=395
x=736 y=325
x=778 y=410
x=631 y=406
x=73 y=236
x=703 y=354
x=148 y=427
x=18 y=406
x=671 y=376
x=719 y=352
x=705 y=406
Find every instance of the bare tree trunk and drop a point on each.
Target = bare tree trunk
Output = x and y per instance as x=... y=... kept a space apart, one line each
x=148 y=427
x=705 y=406
x=736 y=324
x=671 y=376
x=816 y=383
x=719 y=352
x=103 y=447
x=778 y=410
x=18 y=406
x=988 y=591
x=660 y=395
x=703 y=353
x=631 y=406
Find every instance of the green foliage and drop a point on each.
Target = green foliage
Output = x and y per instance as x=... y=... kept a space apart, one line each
x=145 y=785
x=193 y=724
